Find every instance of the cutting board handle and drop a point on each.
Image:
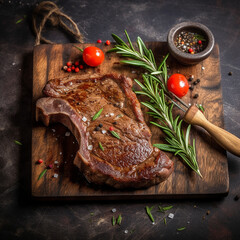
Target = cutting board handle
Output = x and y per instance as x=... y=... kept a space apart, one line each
x=225 y=139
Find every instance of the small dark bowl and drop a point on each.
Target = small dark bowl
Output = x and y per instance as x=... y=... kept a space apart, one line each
x=187 y=58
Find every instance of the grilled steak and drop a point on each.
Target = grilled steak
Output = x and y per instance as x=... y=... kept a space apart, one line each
x=130 y=161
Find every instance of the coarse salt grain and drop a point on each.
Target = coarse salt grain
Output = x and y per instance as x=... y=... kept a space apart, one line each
x=171 y=215
x=60 y=153
x=107 y=115
x=55 y=175
x=53 y=130
x=13 y=63
x=114 y=210
x=126 y=231
x=84 y=119
x=90 y=147
x=104 y=131
x=153 y=223
x=55 y=162
x=203 y=68
x=111 y=114
x=133 y=71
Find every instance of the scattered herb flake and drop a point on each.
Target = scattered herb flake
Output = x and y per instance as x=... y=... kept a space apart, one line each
x=42 y=174
x=113 y=221
x=115 y=134
x=165 y=221
x=148 y=210
x=97 y=114
x=17 y=142
x=18 y=21
x=91 y=213
x=164 y=209
x=181 y=229
x=200 y=107
x=101 y=147
x=119 y=220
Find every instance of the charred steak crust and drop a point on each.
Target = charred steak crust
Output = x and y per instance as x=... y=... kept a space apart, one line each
x=130 y=161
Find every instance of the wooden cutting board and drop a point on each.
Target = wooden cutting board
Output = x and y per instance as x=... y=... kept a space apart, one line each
x=51 y=144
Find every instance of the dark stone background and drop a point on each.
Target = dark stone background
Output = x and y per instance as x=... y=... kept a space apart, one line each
x=21 y=218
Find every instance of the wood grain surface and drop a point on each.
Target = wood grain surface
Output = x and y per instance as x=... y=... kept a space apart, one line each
x=51 y=144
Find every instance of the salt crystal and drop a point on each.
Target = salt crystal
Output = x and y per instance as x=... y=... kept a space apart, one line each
x=107 y=115
x=53 y=130
x=133 y=71
x=57 y=166
x=90 y=147
x=114 y=210
x=84 y=119
x=189 y=104
x=111 y=114
x=55 y=175
x=203 y=68
x=153 y=223
x=171 y=215
x=126 y=231
x=60 y=153
x=188 y=222
x=13 y=63
x=55 y=162
x=104 y=131
x=71 y=155
x=67 y=134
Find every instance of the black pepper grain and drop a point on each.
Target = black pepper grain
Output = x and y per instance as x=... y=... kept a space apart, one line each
x=97 y=128
x=190 y=79
x=191 y=88
x=198 y=80
x=195 y=82
x=100 y=125
x=195 y=96
x=230 y=74
x=236 y=198
x=114 y=123
x=78 y=103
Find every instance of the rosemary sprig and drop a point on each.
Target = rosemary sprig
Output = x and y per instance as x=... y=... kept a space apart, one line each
x=42 y=174
x=155 y=88
x=100 y=146
x=164 y=209
x=18 y=143
x=113 y=221
x=119 y=219
x=115 y=134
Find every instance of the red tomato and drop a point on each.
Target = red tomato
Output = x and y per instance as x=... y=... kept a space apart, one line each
x=93 y=56
x=178 y=85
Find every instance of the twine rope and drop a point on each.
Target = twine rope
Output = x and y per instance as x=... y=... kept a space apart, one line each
x=51 y=12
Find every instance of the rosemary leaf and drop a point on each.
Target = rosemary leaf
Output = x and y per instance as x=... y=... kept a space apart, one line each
x=115 y=134
x=181 y=229
x=101 y=147
x=18 y=143
x=119 y=220
x=18 y=21
x=148 y=210
x=164 y=209
x=97 y=114
x=165 y=221
x=113 y=221
x=42 y=174
x=78 y=48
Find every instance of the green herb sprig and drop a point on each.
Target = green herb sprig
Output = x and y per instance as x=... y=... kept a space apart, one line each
x=164 y=209
x=42 y=174
x=115 y=134
x=100 y=146
x=154 y=86
x=18 y=143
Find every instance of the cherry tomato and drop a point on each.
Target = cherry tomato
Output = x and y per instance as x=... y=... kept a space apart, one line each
x=178 y=85
x=93 y=56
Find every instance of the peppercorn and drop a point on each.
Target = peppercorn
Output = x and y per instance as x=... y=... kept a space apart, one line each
x=81 y=66
x=195 y=96
x=78 y=103
x=73 y=67
x=195 y=82
x=69 y=69
x=114 y=123
x=230 y=73
x=97 y=128
x=69 y=64
x=76 y=69
x=191 y=88
x=190 y=79
x=76 y=63
x=198 y=80
x=107 y=42
x=111 y=128
x=100 y=125
x=99 y=41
